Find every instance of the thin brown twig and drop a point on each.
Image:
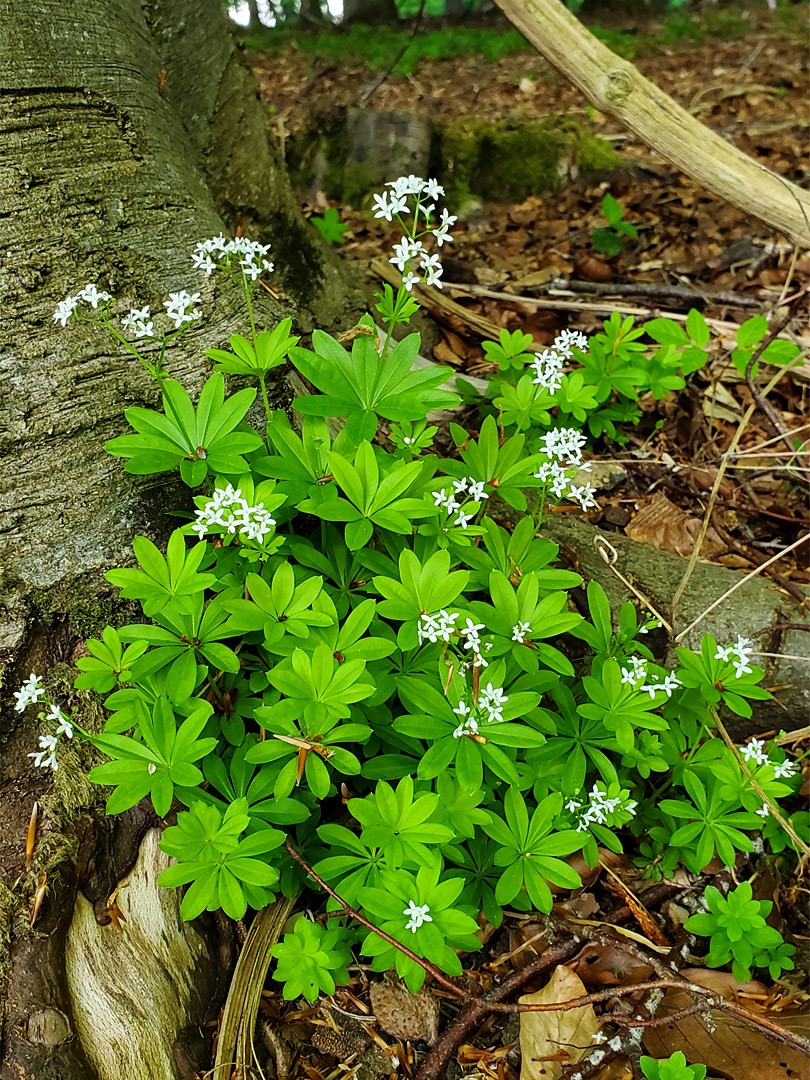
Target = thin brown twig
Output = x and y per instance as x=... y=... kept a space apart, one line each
x=724 y=463
x=762 y=403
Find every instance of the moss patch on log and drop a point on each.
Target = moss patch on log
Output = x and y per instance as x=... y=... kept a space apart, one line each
x=504 y=161
x=511 y=160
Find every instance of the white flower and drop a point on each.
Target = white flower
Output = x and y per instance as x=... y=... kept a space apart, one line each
x=492 y=699
x=383 y=207
x=409 y=280
x=477 y=489
x=136 y=315
x=460 y=485
x=783 y=769
x=471 y=636
x=433 y=270
x=469 y=726
x=520 y=630
x=755 y=751
x=573 y=805
x=583 y=494
x=763 y=811
x=724 y=652
x=435 y=628
x=29 y=693
x=46 y=756
x=202 y=260
x=564 y=444
x=568 y=340
x=462 y=710
x=177 y=307
x=145 y=329
x=418 y=914
x=463 y=519
x=741 y=668
x=65 y=726
x=407 y=185
x=548 y=371
x=433 y=190
x=92 y=296
x=442 y=233
x=64 y=309
x=671 y=682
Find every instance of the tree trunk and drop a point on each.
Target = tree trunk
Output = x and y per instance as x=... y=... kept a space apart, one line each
x=129 y=131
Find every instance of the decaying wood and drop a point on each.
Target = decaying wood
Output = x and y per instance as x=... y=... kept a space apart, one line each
x=618 y=89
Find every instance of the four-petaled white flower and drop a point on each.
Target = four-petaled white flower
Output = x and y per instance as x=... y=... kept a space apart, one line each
x=91 y=295
x=520 y=630
x=783 y=769
x=763 y=811
x=418 y=914
x=65 y=308
x=755 y=751
x=409 y=280
x=46 y=756
x=178 y=305
x=463 y=519
x=65 y=727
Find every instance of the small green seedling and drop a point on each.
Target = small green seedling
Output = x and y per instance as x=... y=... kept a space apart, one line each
x=609 y=241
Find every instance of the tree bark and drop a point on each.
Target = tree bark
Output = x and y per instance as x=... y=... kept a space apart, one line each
x=128 y=131
x=618 y=89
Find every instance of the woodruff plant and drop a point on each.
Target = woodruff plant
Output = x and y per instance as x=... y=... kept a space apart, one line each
x=337 y=622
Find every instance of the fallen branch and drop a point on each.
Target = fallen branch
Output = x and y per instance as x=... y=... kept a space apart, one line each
x=618 y=89
x=689 y=296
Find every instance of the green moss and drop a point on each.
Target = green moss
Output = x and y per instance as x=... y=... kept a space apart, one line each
x=597 y=155
x=87 y=610
x=511 y=160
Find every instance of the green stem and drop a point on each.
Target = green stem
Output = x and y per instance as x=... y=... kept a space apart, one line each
x=267 y=410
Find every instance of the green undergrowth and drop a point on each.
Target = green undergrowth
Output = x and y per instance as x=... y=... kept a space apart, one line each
x=381 y=47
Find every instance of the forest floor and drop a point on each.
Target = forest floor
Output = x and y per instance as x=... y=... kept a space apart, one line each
x=748 y=80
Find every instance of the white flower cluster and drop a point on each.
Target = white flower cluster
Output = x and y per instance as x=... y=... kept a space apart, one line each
x=755 y=751
x=549 y=363
x=472 y=641
x=563 y=448
x=29 y=693
x=635 y=675
x=491 y=701
x=391 y=204
x=418 y=914
x=598 y=808
x=250 y=254
x=139 y=320
x=408 y=249
x=179 y=305
x=435 y=628
x=230 y=511
x=521 y=630
x=739 y=654
x=89 y=295
x=455 y=498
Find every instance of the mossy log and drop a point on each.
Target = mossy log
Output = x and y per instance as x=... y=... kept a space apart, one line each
x=618 y=89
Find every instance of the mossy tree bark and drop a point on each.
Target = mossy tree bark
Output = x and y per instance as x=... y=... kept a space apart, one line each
x=128 y=130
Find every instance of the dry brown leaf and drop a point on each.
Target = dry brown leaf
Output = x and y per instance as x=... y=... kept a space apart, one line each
x=550 y=1040
x=445 y=355
x=403 y=1014
x=665 y=526
x=731 y=1049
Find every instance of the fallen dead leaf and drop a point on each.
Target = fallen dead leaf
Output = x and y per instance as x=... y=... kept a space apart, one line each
x=665 y=526
x=731 y=1049
x=550 y=1040
x=594 y=270
x=403 y=1014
